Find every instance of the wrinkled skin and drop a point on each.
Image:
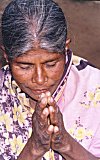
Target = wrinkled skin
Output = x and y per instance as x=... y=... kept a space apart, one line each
x=40 y=134
x=48 y=127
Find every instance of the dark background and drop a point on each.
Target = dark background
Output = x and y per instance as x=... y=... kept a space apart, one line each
x=83 y=27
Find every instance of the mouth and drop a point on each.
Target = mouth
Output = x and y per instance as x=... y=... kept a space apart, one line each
x=39 y=91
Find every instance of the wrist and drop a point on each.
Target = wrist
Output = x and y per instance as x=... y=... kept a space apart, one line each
x=35 y=150
x=30 y=151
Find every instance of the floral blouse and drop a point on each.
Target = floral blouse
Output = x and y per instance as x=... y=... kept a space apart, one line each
x=78 y=97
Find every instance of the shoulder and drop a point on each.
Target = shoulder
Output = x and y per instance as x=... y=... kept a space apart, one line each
x=85 y=69
x=82 y=63
x=85 y=79
x=83 y=82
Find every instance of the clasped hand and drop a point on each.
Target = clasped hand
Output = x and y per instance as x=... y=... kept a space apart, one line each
x=48 y=128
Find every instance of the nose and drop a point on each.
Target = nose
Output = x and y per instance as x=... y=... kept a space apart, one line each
x=40 y=76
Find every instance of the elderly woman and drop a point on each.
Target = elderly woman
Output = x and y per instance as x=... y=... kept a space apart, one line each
x=49 y=99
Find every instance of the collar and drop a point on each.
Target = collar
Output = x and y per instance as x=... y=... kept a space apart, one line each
x=57 y=94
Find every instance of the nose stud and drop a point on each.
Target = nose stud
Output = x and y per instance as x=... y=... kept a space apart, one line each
x=46 y=79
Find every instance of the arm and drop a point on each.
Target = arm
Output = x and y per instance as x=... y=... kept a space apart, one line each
x=29 y=152
x=62 y=142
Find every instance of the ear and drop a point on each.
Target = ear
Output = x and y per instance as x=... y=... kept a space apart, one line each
x=4 y=53
x=68 y=41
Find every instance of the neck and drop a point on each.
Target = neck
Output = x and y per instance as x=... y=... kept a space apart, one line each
x=32 y=103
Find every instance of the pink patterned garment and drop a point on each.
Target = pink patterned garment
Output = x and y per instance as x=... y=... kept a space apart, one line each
x=78 y=97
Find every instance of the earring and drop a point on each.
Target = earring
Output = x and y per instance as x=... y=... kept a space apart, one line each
x=67 y=44
x=6 y=60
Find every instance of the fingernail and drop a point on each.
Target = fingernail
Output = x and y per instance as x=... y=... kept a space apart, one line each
x=42 y=95
x=51 y=128
x=50 y=100
x=51 y=109
x=56 y=129
x=48 y=94
x=45 y=111
x=44 y=101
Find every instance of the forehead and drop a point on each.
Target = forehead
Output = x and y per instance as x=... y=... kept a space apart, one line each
x=40 y=54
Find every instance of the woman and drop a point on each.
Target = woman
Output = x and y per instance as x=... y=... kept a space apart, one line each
x=48 y=100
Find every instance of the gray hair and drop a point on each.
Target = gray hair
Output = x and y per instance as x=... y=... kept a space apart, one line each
x=27 y=23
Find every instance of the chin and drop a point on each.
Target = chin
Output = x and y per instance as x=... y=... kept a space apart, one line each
x=35 y=98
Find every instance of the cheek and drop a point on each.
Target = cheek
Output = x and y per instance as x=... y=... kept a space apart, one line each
x=20 y=76
x=57 y=73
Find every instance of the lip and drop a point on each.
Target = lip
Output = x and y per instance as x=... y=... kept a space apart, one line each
x=39 y=91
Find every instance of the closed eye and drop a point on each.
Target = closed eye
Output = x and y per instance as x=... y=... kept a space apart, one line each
x=25 y=66
x=51 y=64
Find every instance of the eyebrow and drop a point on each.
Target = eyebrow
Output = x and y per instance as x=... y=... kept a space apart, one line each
x=24 y=63
x=45 y=61
x=51 y=60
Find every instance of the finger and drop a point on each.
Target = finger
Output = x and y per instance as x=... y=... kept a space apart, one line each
x=56 y=129
x=40 y=112
x=53 y=115
x=57 y=136
x=51 y=101
x=50 y=129
x=46 y=94
x=43 y=102
x=45 y=113
x=44 y=99
x=43 y=119
x=53 y=109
